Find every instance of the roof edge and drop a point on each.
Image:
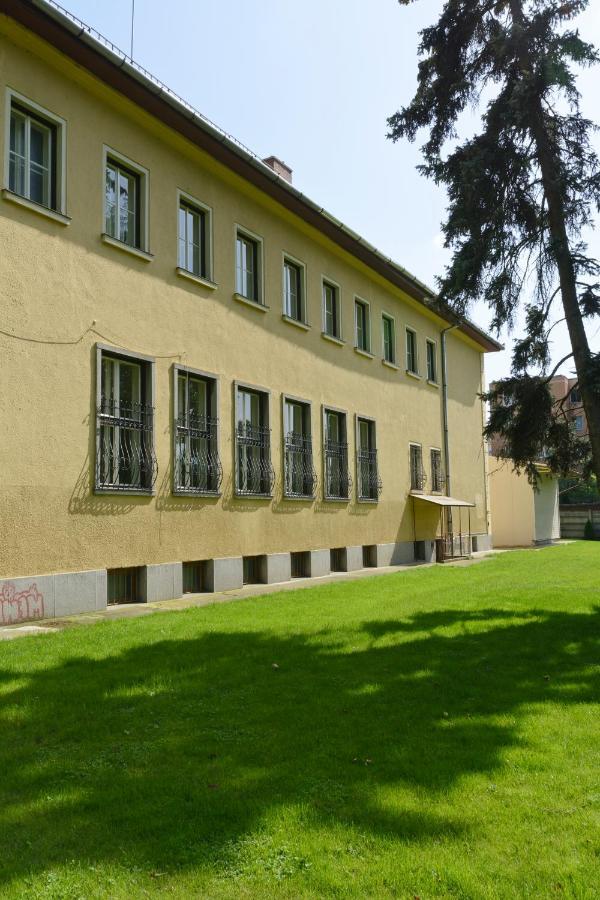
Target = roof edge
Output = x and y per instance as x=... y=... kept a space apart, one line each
x=89 y=49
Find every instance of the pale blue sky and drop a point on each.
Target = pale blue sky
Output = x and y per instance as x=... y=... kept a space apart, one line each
x=313 y=83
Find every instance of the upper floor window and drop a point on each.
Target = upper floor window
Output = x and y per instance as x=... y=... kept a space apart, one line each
x=193 y=237
x=431 y=362
x=362 y=326
x=437 y=478
x=299 y=474
x=575 y=395
x=294 y=305
x=337 y=476
x=248 y=266
x=125 y=458
x=388 y=332
x=578 y=423
x=125 y=203
x=36 y=154
x=412 y=363
x=197 y=463
x=332 y=320
x=417 y=473
x=369 y=482
x=254 y=472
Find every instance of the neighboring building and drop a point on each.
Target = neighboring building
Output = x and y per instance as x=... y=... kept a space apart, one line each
x=521 y=515
x=206 y=379
x=566 y=392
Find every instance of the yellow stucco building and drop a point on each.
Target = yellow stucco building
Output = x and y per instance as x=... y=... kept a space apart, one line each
x=204 y=377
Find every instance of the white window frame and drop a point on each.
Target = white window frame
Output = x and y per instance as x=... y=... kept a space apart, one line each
x=60 y=167
x=339 y=338
x=214 y=410
x=358 y=418
x=144 y=183
x=290 y=398
x=432 y=450
x=265 y=400
x=433 y=343
x=194 y=203
x=393 y=362
x=303 y=320
x=326 y=408
x=260 y=263
x=367 y=351
x=410 y=486
x=416 y=371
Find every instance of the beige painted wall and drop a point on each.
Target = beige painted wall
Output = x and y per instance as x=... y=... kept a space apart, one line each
x=56 y=281
x=512 y=506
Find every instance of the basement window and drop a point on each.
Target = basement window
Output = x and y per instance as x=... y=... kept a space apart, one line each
x=300 y=564
x=124 y=585
x=195 y=577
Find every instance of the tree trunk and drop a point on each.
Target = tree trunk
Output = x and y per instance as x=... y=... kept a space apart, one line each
x=550 y=172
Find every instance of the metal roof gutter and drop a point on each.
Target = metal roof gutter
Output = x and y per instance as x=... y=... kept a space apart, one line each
x=88 y=48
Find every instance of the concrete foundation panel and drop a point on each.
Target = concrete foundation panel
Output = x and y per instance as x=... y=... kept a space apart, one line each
x=24 y=599
x=225 y=574
x=397 y=554
x=277 y=568
x=320 y=563
x=354 y=558
x=77 y=592
x=162 y=582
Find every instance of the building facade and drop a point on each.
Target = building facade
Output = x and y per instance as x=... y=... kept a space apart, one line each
x=205 y=378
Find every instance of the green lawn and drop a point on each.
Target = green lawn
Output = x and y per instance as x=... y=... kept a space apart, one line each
x=434 y=733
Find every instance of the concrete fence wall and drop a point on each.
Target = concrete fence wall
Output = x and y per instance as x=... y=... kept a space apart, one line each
x=573 y=519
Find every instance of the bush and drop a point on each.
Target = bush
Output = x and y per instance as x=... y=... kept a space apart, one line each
x=588 y=531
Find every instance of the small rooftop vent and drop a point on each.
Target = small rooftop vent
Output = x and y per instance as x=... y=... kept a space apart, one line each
x=279 y=167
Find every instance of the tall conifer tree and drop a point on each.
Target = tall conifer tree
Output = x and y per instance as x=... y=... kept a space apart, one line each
x=522 y=192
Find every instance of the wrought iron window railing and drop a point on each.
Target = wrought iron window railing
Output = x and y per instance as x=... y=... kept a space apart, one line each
x=300 y=475
x=338 y=481
x=254 y=472
x=125 y=458
x=198 y=468
x=369 y=482
x=438 y=481
x=418 y=478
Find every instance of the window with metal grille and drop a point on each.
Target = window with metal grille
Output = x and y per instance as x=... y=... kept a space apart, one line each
x=369 y=482
x=195 y=577
x=300 y=564
x=417 y=473
x=431 y=362
x=337 y=559
x=253 y=569
x=247 y=267
x=293 y=291
x=338 y=482
x=411 y=352
x=299 y=473
x=389 y=339
x=369 y=556
x=361 y=325
x=193 y=239
x=254 y=472
x=437 y=476
x=125 y=457
x=124 y=585
x=32 y=156
x=197 y=467
x=122 y=203
x=331 y=310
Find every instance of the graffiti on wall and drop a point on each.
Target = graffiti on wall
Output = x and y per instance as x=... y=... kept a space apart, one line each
x=18 y=606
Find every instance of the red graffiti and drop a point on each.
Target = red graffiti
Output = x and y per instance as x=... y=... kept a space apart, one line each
x=19 y=606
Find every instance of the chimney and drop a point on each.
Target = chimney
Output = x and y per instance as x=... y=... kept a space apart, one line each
x=279 y=168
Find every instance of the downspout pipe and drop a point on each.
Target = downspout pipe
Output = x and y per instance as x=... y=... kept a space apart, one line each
x=445 y=404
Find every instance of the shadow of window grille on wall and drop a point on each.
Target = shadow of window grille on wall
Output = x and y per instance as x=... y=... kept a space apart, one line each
x=125 y=458
x=369 y=482
x=198 y=468
x=338 y=481
x=300 y=475
x=254 y=472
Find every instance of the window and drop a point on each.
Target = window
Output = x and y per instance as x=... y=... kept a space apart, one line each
x=294 y=305
x=369 y=483
x=122 y=206
x=36 y=154
x=195 y=576
x=125 y=458
x=361 y=324
x=299 y=473
x=417 y=475
x=197 y=463
x=575 y=395
x=431 y=362
x=578 y=423
x=337 y=476
x=411 y=352
x=193 y=237
x=437 y=478
x=389 y=339
x=254 y=472
x=332 y=324
x=300 y=564
x=124 y=585
x=247 y=267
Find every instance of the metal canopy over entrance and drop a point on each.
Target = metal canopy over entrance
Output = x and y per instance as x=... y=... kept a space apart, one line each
x=451 y=544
